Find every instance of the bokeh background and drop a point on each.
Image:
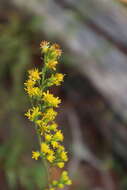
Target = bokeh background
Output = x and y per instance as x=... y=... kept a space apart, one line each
x=93 y=114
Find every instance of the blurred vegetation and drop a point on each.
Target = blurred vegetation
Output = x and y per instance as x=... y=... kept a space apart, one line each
x=18 y=38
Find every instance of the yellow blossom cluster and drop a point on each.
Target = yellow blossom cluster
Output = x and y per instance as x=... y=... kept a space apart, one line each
x=64 y=180
x=35 y=155
x=43 y=112
x=33 y=113
x=55 y=79
x=31 y=84
x=50 y=99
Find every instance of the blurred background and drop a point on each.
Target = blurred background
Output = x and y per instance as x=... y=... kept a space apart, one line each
x=93 y=114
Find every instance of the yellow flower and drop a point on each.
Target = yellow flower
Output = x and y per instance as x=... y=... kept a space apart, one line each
x=51 y=158
x=65 y=178
x=69 y=182
x=48 y=137
x=45 y=148
x=54 y=182
x=58 y=78
x=42 y=127
x=64 y=173
x=29 y=83
x=50 y=99
x=41 y=123
x=34 y=74
x=34 y=91
x=33 y=113
x=56 y=51
x=43 y=113
x=60 y=148
x=60 y=185
x=55 y=46
x=44 y=46
x=64 y=156
x=55 y=79
x=50 y=114
x=52 y=127
x=59 y=136
x=35 y=155
x=51 y=64
x=60 y=164
x=51 y=152
x=38 y=92
x=55 y=144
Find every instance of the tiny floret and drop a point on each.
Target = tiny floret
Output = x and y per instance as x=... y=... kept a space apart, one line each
x=50 y=99
x=50 y=114
x=45 y=148
x=34 y=74
x=33 y=113
x=60 y=164
x=44 y=45
x=35 y=155
x=59 y=136
x=51 y=158
x=52 y=64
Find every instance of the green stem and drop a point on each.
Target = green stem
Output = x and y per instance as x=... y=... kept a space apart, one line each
x=46 y=166
x=43 y=74
x=44 y=161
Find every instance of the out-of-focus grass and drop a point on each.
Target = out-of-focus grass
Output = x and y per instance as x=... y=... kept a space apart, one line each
x=17 y=51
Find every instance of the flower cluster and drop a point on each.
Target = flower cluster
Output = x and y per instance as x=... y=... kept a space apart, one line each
x=64 y=180
x=43 y=112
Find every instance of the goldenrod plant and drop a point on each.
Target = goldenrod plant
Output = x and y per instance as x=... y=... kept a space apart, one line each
x=43 y=113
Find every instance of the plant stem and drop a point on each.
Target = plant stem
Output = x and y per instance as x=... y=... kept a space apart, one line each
x=45 y=164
